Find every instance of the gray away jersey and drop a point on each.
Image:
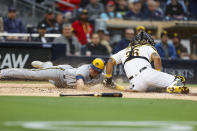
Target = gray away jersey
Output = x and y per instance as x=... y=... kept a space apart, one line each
x=60 y=76
x=83 y=71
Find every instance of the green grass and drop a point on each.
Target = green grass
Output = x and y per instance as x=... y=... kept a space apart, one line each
x=192 y=85
x=93 y=109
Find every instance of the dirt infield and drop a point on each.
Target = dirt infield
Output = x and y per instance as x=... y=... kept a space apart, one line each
x=47 y=89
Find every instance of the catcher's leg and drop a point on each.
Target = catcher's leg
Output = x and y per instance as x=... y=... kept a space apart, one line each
x=151 y=78
x=171 y=84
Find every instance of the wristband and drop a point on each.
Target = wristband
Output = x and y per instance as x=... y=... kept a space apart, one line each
x=108 y=75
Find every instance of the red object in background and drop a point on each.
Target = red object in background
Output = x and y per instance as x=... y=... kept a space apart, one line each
x=67 y=8
x=81 y=31
x=110 y=3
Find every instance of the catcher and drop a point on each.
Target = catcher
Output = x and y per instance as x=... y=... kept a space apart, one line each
x=62 y=76
x=137 y=60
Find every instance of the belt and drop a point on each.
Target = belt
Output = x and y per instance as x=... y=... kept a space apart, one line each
x=142 y=69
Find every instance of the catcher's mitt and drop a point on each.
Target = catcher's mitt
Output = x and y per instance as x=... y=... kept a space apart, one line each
x=109 y=83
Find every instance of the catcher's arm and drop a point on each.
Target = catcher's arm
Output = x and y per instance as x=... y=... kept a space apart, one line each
x=108 y=82
x=109 y=67
x=108 y=76
x=156 y=60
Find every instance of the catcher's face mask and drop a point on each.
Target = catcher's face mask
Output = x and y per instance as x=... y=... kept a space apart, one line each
x=142 y=38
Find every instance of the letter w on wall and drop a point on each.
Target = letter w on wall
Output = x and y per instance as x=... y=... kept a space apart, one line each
x=11 y=61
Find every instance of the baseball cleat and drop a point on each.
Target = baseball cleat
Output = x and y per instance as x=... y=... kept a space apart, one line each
x=178 y=86
x=37 y=64
x=40 y=65
x=178 y=89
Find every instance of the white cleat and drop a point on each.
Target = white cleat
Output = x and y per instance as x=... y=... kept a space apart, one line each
x=40 y=65
x=37 y=64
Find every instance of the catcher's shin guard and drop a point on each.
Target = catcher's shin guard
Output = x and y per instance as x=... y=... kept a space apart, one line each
x=178 y=86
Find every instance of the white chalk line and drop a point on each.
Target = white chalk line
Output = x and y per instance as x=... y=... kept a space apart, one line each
x=106 y=125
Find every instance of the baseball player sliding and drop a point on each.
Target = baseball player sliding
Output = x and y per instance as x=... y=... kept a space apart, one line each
x=62 y=76
x=137 y=60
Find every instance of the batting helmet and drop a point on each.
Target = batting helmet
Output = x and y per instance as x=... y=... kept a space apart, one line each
x=98 y=64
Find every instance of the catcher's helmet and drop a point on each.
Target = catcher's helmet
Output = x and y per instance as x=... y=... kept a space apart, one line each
x=98 y=64
x=142 y=38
